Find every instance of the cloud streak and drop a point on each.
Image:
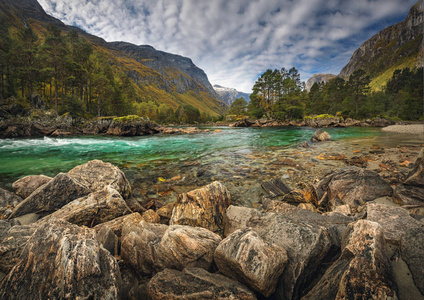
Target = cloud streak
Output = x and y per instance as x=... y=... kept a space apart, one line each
x=235 y=41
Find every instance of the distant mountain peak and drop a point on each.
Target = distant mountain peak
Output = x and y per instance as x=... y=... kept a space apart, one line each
x=318 y=77
x=228 y=95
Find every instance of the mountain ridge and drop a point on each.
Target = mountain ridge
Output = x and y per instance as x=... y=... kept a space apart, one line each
x=228 y=95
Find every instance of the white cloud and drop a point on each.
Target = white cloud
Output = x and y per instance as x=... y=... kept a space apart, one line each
x=234 y=41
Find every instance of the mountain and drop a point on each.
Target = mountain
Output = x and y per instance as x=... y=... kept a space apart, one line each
x=228 y=95
x=394 y=47
x=316 y=78
x=156 y=75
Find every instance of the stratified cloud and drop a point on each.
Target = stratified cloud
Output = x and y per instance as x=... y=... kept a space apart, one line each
x=235 y=41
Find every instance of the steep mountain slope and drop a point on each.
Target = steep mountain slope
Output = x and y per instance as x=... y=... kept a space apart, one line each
x=318 y=78
x=394 y=47
x=228 y=95
x=158 y=76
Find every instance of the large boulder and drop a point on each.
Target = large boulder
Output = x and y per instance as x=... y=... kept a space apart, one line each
x=132 y=126
x=150 y=248
x=412 y=252
x=117 y=224
x=320 y=136
x=363 y=270
x=63 y=261
x=93 y=209
x=195 y=283
x=307 y=243
x=12 y=242
x=353 y=186
x=416 y=176
x=28 y=184
x=204 y=207
x=61 y=190
x=244 y=256
x=96 y=175
x=394 y=221
x=8 y=199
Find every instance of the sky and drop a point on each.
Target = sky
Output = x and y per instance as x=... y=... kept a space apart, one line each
x=234 y=41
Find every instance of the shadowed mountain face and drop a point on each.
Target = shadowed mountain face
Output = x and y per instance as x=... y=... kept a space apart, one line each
x=161 y=77
x=399 y=45
x=317 y=78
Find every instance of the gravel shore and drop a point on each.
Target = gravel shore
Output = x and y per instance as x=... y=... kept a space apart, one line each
x=410 y=129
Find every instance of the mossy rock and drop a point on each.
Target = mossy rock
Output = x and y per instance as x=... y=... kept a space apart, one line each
x=128 y=118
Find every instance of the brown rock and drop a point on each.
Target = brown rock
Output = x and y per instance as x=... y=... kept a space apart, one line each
x=320 y=136
x=116 y=224
x=195 y=283
x=8 y=199
x=204 y=207
x=244 y=256
x=150 y=248
x=416 y=176
x=60 y=261
x=275 y=187
x=166 y=211
x=308 y=206
x=108 y=239
x=347 y=278
x=305 y=193
x=351 y=185
x=331 y=156
x=28 y=184
x=412 y=252
x=93 y=209
x=394 y=221
x=408 y=195
x=96 y=175
x=150 y=216
x=61 y=190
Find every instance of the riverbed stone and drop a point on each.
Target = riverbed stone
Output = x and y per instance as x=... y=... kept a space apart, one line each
x=304 y=193
x=300 y=233
x=8 y=198
x=96 y=175
x=150 y=248
x=93 y=209
x=49 y=197
x=348 y=278
x=416 y=176
x=151 y=216
x=245 y=257
x=61 y=260
x=412 y=252
x=275 y=187
x=353 y=186
x=12 y=242
x=320 y=136
x=195 y=283
x=394 y=221
x=25 y=186
x=408 y=195
x=204 y=207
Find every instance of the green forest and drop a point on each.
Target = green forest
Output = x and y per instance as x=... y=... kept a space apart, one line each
x=280 y=94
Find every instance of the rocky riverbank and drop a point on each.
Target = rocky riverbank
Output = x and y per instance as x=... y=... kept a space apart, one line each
x=354 y=232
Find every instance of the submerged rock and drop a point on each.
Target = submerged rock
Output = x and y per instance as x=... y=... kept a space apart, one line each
x=61 y=190
x=60 y=261
x=275 y=187
x=195 y=283
x=353 y=186
x=204 y=207
x=150 y=248
x=244 y=256
x=28 y=184
x=96 y=175
x=363 y=270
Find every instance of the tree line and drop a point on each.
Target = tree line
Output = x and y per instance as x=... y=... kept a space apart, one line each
x=73 y=77
x=280 y=94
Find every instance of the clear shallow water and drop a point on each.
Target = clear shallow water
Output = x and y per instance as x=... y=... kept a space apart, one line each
x=49 y=156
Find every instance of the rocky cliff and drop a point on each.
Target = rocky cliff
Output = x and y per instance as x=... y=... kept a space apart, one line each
x=228 y=95
x=318 y=78
x=397 y=45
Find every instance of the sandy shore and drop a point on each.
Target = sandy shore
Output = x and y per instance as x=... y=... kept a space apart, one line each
x=410 y=129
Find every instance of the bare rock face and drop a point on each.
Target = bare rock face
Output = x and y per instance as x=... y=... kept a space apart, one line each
x=411 y=192
x=204 y=207
x=12 y=243
x=96 y=175
x=320 y=136
x=61 y=190
x=412 y=251
x=394 y=221
x=307 y=243
x=195 y=283
x=28 y=184
x=63 y=261
x=108 y=239
x=363 y=270
x=7 y=198
x=150 y=248
x=351 y=185
x=244 y=256
x=93 y=209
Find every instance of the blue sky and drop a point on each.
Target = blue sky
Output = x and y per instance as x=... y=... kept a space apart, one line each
x=234 y=41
